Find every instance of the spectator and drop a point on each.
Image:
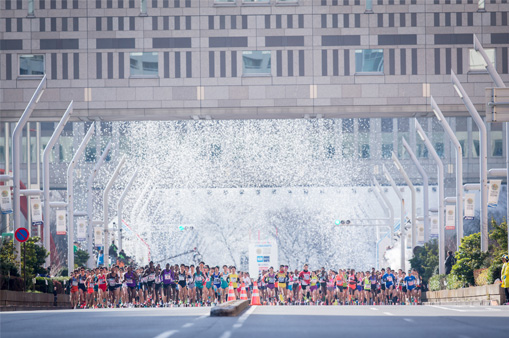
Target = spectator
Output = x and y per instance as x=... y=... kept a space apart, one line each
x=449 y=262
x=100 y=259
x=113 y=251
x=504 y=277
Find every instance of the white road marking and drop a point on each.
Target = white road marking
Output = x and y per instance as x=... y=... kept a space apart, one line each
x=201 y=317
x=388 y=314
x=373 y=308
x=237 y=326
x=463 y=336
x=166 y=334
x=187 y=325
x=460 y=310
x=408 y=320
x=243 y=318
x=227 y=334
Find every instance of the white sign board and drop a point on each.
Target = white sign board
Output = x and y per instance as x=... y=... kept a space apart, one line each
x=5 y=199
x=493 y=192
x=262 y=255
x=61 y=222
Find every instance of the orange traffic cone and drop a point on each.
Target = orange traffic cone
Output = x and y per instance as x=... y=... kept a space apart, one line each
x=231 y=293
x=255 y=297
x=243 y=293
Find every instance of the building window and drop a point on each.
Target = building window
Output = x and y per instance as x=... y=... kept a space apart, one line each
x=225 y=1
x=31 y=64
x=364 y=137
x=481 y=5
x=387 y=137
x=256 y=1
x=477 y=61
x=369 y=61
x=31 y=7
x=144 y=64
x=369 y=6
x=143 y=6
x=496 y=139
x=256 y=62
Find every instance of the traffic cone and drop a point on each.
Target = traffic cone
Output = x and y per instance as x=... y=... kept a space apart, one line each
x=243 y=293
x=231 y=293
x=255 y=296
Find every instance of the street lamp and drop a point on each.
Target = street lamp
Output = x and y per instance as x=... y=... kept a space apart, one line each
x=90 y=205
x=483 y=158
x=459 y=169
x=45 y=178
x=389 y=206
x=403 y=173
x=425 y=186
x=402 y=215
x=441 y=213
x=16 y=157
x=106 y=194
x=70 y=198
x=120 y=205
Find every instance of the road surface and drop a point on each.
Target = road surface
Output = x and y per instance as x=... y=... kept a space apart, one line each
x=263 y=321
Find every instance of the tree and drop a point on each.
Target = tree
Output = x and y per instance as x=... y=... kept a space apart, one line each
x=425 y=260
x=35 y=257
x=80 y=258
x=8 y=259
x=469 y=257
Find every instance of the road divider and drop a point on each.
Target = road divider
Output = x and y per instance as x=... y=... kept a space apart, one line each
x=229 y=309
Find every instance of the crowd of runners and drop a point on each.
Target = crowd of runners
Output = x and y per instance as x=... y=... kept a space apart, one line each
x=201 y=285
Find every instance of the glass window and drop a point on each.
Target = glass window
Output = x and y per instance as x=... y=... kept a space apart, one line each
x=256 y=1
x=387 y=150
x=225 y=1
x=364 y=125
x=256 y=62
x=496 y=139
x=387 y=137
x=369 y=61
x=143 y=6
x=348 y=144
x=31 y=64
x=144 y=64
x=387 y=125
x=369 y=5
x=347 y=126
x=481 y=4
x=477 y=61
x=475 y=140
x=30 y=7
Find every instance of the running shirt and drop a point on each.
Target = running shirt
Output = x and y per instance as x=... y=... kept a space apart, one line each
x=281 y=277
x=233 y=278
x=367 y=284
x=167 y=276
x=151 y=277
x=129 y=278
x=216 y=279
x=314 y=280
x=410 y=282
x=271 y=278
x=198 y=278
x=305 y=277
x=339 y=279
x=224 y=280
x=372 y=279
x=352 y=281
x=389 y=279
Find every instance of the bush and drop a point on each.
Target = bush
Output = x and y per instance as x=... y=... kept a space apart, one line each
x=436 y=283
x=12 y=283
x=425 y=260
x=482 y=277
x=469 y=257
x=452 y=282
x=44 y=285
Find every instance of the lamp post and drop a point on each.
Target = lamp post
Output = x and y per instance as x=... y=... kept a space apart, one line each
x=402 y=215
x=499 y=83
x=389 y=210
x=16 y=158
x=120 y=206
x=412 y=191
x=45 y=178
x=441 y=208
x=425 y=187
x=90 y=205
x=106 y=194
x=459 y=169
x=70 y=198
x=483 y=158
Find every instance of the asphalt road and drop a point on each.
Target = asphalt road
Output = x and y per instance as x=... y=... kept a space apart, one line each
x=263 y=321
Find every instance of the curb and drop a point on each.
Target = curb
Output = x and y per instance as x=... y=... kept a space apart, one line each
x=11 y=308
x=229 y=309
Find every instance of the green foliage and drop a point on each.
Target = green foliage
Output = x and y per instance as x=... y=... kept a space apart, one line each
x=436 y=282
x=497 y=248
x=469 y=257
x=483 y=278
x=452 y=282
x=80 y=258
x=425 y=260
x=35 y=258
x=8 y=259
x=44 y=285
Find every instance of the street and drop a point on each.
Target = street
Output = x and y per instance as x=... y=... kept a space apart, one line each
x=262 y=321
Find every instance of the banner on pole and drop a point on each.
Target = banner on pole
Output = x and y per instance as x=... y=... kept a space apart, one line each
x=450 y=219
x=81 y=234
x=36 y=212
x=493 y=192
x=99 y=236
x=61 y=222
x=469 y=206
x=5 y=199
x=434 y=227
x=420 y=234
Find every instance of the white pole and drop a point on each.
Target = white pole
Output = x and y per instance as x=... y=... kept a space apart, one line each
x=70 y=198
x=483 y=157
x=45 y=178
x=441 y=208
x=402 y=216
x=38 y=162
x=90 y=206
x=459 y=170
x=105 y=210
x=412 y=191
x=425 y=187
x=16 y=158
x=7 y=163
x=29 y=180
x=389 y=206
x=120 y=206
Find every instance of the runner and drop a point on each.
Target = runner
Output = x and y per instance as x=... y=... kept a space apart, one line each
x=305 y=278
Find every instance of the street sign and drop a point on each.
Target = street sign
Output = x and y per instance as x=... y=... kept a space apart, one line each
x=21 y=235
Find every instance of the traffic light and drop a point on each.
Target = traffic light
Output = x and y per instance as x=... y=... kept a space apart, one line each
x=342 y=222
x=186 y=227
x=181 y=228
